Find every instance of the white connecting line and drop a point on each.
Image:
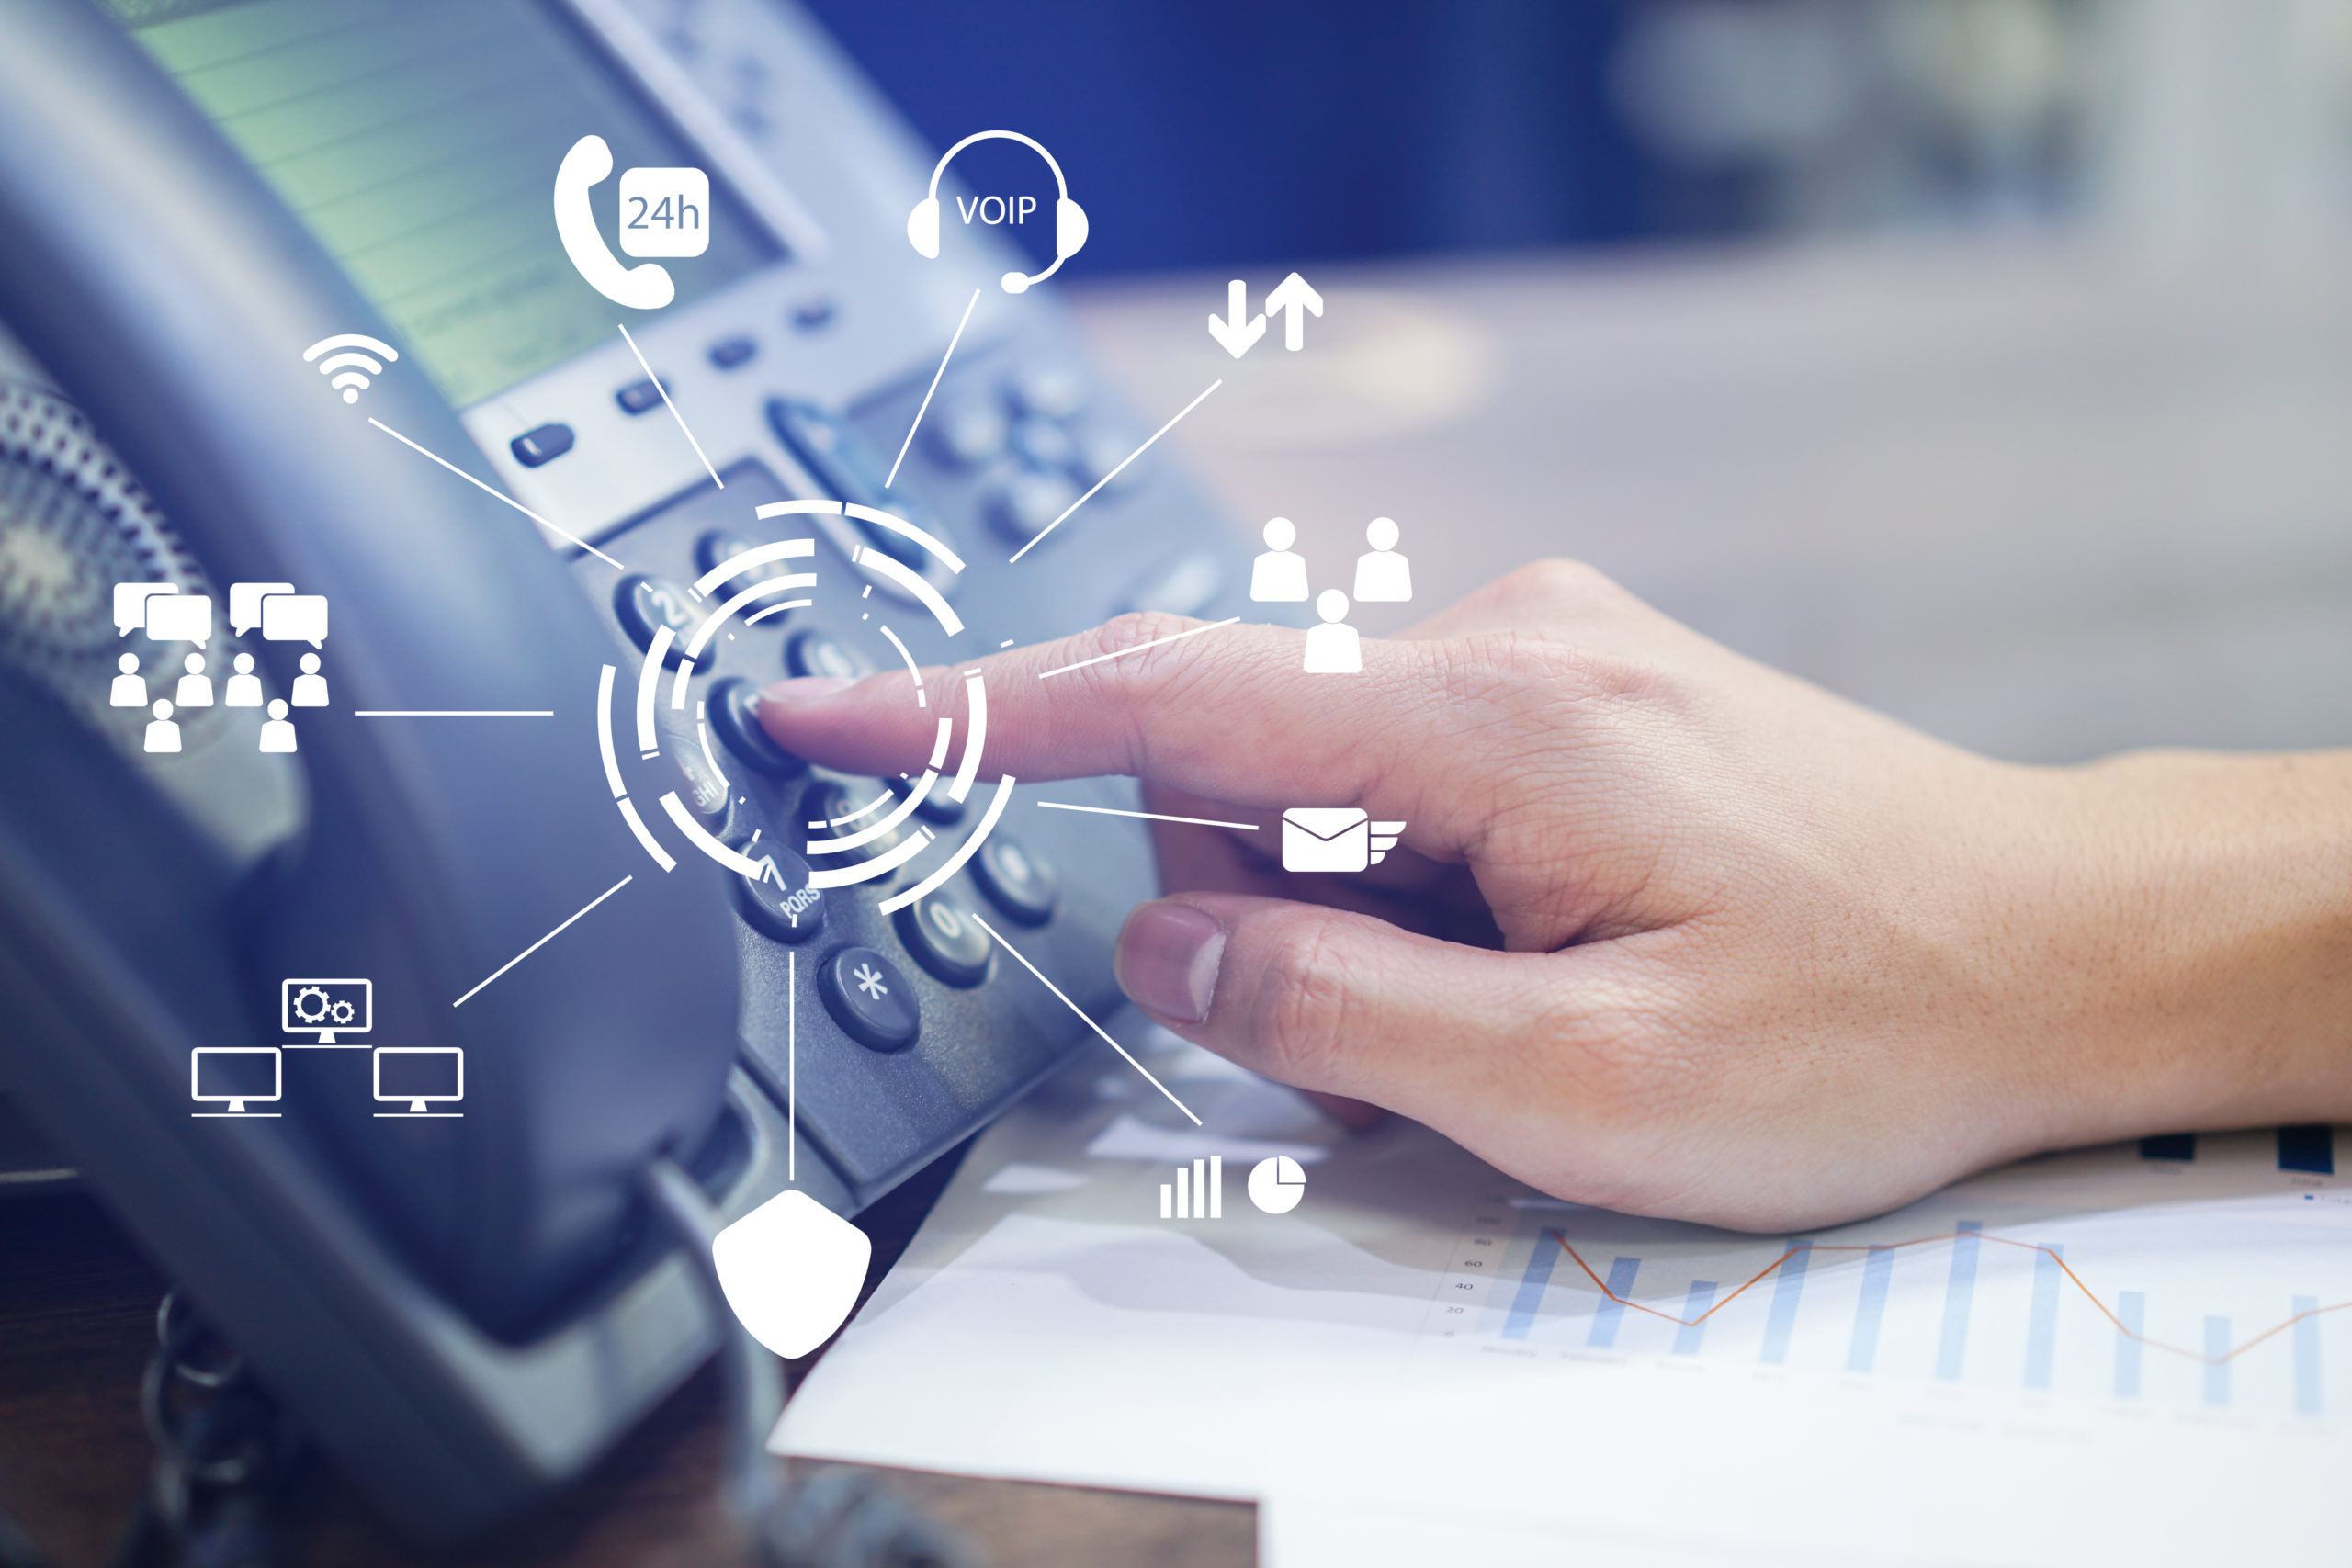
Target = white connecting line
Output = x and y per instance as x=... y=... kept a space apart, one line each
x=1122 y=653
x=558 y=931
x=1114 y=473
x=1150 y=815
x=509 y=500
x=1089 y=1024
x=933 y=388
x=672 y=407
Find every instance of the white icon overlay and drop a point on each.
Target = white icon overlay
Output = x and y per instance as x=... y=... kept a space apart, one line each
x=1383 y=577
x=1335 y=837
x=791 y=1269
x=1333 y=648
x=348 y=371
x=1195 y=1194
x=420 y=1077
x=229 y=1075
x=1293 y=300
x=1277 y=1183
x=326 y=1008
x=1070 y=223
x=1279 y=576
x=647 y=286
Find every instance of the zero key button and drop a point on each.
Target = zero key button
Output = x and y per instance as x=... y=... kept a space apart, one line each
x=1016 y=879
x=945 y=939
x=870 y=999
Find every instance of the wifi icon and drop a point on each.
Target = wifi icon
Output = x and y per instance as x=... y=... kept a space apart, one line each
x=351 y=368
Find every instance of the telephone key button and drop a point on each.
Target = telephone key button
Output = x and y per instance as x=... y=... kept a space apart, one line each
x=814 y=653
x=723 y=545
x=1025 y=506
x=945 y=939
x=544 y=445
x=729 y=351
x=646 y=604
x=870 y=999
x=639 y=397
x=1016 y=879
x=734 y=709
x=967 y=432
x=1042 y=444
x=1049 y=391
x=781 y=904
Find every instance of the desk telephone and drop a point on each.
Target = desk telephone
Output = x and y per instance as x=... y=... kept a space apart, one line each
x=466 y=1308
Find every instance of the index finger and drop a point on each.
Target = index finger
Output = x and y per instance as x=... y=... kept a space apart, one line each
x=1227 y=711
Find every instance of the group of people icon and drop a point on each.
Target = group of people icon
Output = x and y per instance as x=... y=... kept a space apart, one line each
x=1383 y=577
x=194 y=690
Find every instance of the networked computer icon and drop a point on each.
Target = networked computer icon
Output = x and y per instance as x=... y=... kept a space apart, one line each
x=326 y=1008
x=422 y=1077
x=235 y=1075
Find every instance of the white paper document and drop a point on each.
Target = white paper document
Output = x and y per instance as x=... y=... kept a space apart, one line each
x=2092 y=1356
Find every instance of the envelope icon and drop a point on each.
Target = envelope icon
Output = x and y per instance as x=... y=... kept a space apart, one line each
x=1335 y=837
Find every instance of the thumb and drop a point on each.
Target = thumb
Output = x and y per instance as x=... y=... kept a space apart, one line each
x=1329 y=1001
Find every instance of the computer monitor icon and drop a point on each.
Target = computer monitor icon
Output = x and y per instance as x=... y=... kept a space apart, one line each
x=421 y=1075
x=235 y=1074
x=327 y=1008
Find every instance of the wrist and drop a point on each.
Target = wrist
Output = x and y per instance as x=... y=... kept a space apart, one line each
x=2209 y=974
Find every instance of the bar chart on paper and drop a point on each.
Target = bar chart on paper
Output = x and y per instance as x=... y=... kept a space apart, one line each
x=2199 y=1274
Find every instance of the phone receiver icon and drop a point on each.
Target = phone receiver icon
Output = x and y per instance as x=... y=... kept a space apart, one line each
x=646 y=287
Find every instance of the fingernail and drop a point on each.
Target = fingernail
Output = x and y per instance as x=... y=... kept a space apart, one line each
x=802 y=690
x=1168 y=959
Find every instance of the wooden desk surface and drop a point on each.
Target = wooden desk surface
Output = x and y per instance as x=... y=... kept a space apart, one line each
x=77 y=1304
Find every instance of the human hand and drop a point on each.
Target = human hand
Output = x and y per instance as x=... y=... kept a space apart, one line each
x=1669 y=931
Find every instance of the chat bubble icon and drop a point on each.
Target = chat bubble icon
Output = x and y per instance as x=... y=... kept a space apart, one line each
x=295 y=617
x=245 y=602
x=130 y=604
x=180 y=617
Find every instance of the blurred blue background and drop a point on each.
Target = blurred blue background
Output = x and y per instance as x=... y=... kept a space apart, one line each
x=1216 y=131
x=1987 y=361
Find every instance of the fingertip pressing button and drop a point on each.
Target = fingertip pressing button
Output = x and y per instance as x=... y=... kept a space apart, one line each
x=869 y=998
x=734 y=709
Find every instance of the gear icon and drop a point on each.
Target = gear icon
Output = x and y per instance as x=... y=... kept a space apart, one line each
x=343 y=1012
x=311 y=1005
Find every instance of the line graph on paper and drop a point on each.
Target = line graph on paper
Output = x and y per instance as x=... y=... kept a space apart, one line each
x=2213 y=1274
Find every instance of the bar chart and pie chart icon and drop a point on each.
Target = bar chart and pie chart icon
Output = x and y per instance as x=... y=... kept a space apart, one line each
x=1276 y=1184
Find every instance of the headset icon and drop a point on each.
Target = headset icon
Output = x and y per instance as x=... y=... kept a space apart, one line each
x=1070 y=218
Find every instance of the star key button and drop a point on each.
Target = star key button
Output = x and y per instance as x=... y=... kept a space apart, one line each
x=870 y=999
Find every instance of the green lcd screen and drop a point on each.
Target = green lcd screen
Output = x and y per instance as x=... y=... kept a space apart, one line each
x=419 y=141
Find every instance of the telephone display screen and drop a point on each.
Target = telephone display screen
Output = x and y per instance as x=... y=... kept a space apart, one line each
x=419 y=141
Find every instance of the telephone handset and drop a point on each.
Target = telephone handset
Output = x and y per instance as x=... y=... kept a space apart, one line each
x=646 y=287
